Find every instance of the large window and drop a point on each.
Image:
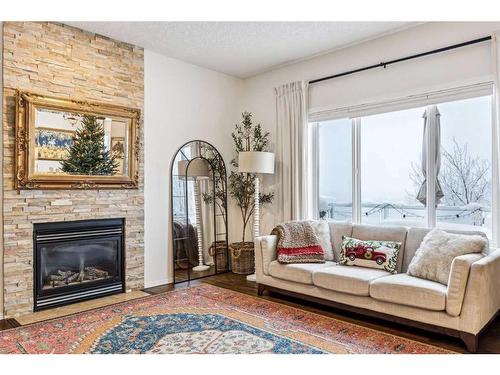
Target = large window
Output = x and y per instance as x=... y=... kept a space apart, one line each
x=466 y=165
x=373 y=169
x=335 y=164
x=391 y=144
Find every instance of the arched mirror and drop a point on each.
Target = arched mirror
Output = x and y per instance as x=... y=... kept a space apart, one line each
x=199 y=212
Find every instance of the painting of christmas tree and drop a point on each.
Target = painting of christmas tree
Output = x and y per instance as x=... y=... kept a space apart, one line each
x=88 y=154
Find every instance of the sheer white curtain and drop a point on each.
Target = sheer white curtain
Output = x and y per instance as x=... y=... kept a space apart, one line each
x=495 y=53
x=291 y=151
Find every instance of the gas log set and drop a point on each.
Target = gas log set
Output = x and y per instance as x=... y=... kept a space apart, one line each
x=61 y=278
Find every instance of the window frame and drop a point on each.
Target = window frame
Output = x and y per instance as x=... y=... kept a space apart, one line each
x=430 y=220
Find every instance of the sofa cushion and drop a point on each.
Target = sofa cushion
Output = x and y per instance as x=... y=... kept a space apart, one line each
x=433 y=259
x=413 y=239
x=382 y=233
x=338 y=229
x=352 y=280
x=298 y=272
x=407 y=290
x=322 y=230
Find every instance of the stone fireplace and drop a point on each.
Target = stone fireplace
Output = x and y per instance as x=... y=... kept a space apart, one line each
x=62 y=61
x=77 y=260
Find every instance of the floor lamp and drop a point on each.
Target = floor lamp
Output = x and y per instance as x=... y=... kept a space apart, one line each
x=256 y=162
x=198 y=170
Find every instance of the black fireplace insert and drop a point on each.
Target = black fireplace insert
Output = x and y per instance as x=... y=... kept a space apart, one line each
x=77 y=260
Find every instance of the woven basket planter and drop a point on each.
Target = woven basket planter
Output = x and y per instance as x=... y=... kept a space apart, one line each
x=219 y=248
x=242 y=258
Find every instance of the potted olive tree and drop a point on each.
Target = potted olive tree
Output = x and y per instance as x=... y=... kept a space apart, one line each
x=246 y=137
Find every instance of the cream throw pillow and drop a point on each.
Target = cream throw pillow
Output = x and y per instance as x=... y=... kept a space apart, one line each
x=432 y=260
x=322 y=230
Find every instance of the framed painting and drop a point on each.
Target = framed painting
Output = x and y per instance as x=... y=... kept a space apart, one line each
x=52 y=144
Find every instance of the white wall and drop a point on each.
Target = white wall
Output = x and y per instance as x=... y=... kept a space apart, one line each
x=182 y=102
x=448 y=69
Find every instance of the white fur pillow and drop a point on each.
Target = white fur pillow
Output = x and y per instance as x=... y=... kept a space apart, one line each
x=322 y=230
x=432 y=260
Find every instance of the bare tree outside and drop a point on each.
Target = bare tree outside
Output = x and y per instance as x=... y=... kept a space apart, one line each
x=465 y=179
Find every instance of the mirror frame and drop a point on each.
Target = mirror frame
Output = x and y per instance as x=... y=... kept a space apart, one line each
x=26 y=177
x=172 y=218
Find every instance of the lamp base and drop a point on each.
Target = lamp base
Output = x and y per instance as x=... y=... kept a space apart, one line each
x=201 y=267
x=252 y=277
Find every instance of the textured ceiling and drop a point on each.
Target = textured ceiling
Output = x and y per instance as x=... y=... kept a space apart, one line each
x=241 y=49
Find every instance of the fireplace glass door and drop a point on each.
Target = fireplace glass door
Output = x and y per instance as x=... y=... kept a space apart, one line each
x=76 y=262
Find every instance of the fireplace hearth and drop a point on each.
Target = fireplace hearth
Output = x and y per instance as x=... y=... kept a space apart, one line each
x=77 y=260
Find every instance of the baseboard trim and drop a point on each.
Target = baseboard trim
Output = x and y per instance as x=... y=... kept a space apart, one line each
x=152 y=284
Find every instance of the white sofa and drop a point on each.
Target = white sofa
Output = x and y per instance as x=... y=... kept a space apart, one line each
x=462 y=309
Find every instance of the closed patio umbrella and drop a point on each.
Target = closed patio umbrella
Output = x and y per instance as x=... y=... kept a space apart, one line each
x=431 y=119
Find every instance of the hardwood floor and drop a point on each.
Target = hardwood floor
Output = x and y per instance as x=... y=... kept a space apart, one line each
x=182 y=274
x=489 y=341
x=8 y=323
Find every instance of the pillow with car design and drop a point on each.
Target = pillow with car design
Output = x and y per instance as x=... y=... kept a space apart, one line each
x=372 y=254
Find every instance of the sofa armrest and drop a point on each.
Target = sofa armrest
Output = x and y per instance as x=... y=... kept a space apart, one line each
x=482 y=294
x=265 y=253
x=457 y=282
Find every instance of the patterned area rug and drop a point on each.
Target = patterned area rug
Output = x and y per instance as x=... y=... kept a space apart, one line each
x=203 y=319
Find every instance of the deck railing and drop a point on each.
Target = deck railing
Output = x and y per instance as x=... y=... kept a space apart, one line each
x=379 y=212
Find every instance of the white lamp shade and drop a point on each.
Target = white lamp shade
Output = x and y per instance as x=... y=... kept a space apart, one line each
x=198 y=168
x=256 y=162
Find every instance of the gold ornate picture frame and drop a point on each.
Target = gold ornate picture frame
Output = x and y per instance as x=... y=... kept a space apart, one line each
x=29 y=174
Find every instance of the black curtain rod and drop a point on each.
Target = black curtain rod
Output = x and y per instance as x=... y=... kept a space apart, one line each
x=385 y=64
